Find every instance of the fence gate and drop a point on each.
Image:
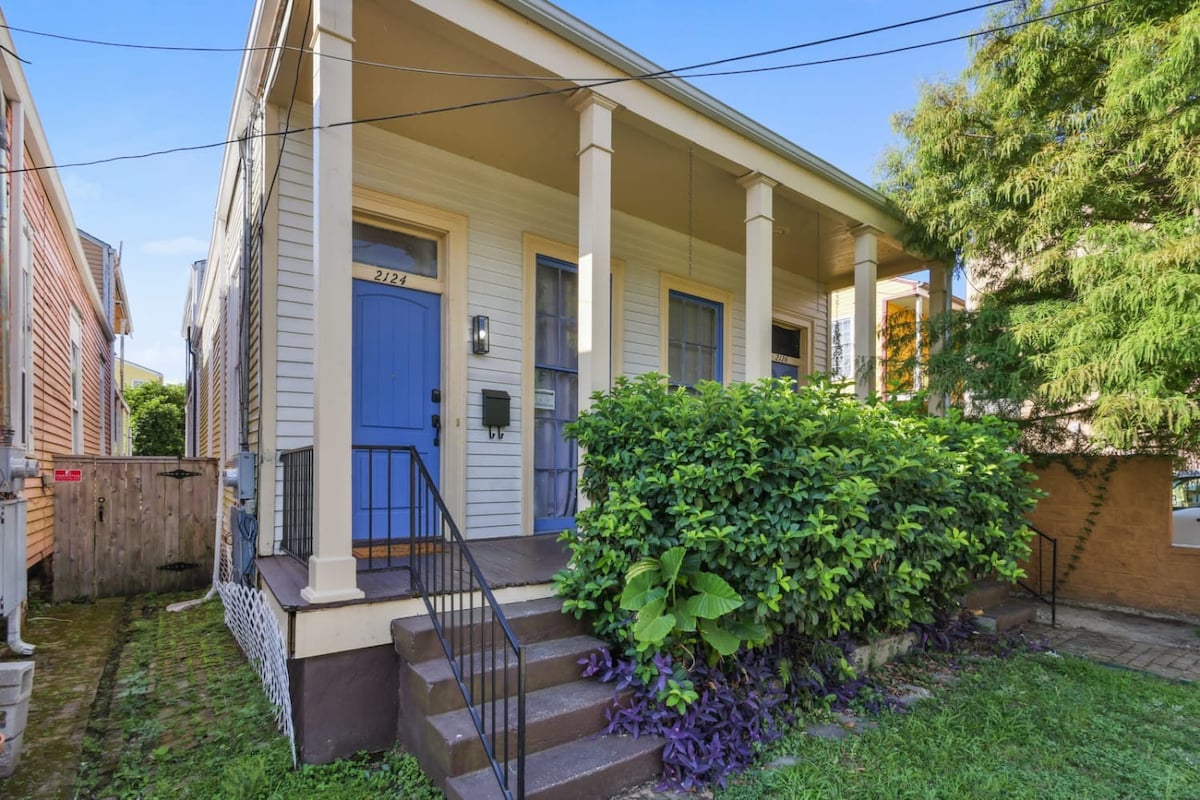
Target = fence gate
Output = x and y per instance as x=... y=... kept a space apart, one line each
x=126 y=526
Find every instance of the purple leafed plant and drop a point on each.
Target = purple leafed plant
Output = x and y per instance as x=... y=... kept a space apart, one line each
x=741 y=703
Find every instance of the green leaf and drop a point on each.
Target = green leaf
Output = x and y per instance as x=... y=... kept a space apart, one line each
x=652 y=626
x=714 y=597
x=640 y=591
x=719 y=639
x=669 y=564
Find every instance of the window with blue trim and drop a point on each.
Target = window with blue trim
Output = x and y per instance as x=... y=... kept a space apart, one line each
x=695 y=350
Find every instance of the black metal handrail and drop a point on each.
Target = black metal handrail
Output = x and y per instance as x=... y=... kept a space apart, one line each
x=1040 y=591
x=298 y=502
x=488 y=667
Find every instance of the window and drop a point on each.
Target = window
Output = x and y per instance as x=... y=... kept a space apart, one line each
x=556 y=394
x=695 y=338
x=393 y=249
x=76 y=382
x=1185 y=510
x=841 y=361
x=136 y=382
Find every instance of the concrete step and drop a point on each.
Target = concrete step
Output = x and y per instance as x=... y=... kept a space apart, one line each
x=1006 y=616
x=431 y=686
x=553 y=716
x=531 y=621
x=986 y=594
x=592 y=768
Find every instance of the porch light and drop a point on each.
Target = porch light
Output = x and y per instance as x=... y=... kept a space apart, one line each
x=480 y=343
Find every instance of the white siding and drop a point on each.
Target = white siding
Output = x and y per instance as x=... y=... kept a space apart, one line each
x=500 y=207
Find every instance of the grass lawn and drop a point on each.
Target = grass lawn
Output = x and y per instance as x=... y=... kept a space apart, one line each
x=1033 y=726
x=182 y=715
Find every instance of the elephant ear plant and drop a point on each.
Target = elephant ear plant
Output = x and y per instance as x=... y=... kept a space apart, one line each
x=671 y=593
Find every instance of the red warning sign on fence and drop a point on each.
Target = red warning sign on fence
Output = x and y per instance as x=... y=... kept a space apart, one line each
x=68 y=475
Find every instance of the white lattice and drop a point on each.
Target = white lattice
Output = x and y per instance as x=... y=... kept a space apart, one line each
x=257 y=631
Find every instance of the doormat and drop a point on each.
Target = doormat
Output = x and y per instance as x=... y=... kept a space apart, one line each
x=395 y=550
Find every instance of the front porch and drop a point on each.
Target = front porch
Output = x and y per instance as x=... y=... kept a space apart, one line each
x=519 y=561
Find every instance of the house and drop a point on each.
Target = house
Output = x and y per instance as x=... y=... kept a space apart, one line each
x=135 y=375
x=451 y=277
x=68 y=307
x=899 y=303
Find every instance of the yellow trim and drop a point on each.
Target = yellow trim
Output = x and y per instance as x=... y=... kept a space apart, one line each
x=532 y=246
x=451 y=230
x=668 y=283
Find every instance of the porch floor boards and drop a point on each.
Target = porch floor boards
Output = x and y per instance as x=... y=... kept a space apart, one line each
x=514 y=561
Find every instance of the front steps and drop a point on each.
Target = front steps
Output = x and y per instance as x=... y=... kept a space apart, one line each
x=1000 y=611
x=564 y=714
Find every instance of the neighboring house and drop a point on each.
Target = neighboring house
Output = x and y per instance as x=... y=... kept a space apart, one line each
x=899 y=302
x=190 y=331
x=68 y=306
x=461 y=282
x=135 y=375
x=105 y=263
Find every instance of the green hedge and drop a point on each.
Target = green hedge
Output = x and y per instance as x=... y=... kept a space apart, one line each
x=722 y=517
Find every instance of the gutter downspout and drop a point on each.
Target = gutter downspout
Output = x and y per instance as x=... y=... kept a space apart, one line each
x=16 y=469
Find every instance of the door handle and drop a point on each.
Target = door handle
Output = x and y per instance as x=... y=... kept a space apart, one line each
x=436 y=422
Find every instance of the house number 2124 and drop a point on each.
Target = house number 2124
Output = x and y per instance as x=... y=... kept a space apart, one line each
x=390 y=278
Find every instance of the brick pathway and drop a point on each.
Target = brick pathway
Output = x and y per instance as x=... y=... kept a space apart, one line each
x=1167 y=661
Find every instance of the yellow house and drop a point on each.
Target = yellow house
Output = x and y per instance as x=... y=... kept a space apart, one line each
x=134 y=375
x=899 y=303
x=411 y=292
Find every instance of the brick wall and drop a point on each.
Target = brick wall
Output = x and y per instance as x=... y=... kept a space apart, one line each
x=1128 y=559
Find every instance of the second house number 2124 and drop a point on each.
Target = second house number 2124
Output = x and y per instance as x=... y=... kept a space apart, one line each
x=390 y=278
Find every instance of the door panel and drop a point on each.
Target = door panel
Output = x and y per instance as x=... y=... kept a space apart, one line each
x=397 y=367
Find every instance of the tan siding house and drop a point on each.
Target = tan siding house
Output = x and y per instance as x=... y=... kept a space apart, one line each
x=69 y=307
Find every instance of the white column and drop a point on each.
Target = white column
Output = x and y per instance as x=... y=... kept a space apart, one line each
x=866 y=347
x=595 y=244
x=331 y=568
x=918 y=332
x=760 y=234
x=940 y=295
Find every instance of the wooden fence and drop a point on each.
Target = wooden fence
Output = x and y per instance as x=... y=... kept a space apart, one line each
x=126 y=526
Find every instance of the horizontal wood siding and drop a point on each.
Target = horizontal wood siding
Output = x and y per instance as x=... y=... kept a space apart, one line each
x=500 y=207
x=58 y=287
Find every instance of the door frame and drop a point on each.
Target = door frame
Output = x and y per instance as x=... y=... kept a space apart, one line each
x=789 y=319
x=451 y=231
x=532 y=246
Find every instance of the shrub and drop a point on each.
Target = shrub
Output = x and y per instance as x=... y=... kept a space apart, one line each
x=815 y=515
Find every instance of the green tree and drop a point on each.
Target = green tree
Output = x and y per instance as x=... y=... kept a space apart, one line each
x=1063 y=167
x=156 y=413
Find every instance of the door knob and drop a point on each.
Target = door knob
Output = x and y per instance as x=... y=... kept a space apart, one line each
x=436 y=422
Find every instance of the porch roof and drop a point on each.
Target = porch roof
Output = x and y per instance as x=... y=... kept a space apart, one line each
x=677 y=150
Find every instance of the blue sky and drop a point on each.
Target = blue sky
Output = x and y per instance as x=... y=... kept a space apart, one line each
x=96 y=102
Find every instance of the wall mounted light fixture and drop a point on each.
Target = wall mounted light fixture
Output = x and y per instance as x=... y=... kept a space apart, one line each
x=480 y=335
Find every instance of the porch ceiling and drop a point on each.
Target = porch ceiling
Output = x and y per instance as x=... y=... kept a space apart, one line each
x=650 y=163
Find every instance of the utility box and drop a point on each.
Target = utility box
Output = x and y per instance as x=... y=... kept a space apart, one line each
x=16 y=685
x=12 y=556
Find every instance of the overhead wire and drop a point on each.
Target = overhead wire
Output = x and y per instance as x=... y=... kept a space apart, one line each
x=545 y=93
x=665 y=73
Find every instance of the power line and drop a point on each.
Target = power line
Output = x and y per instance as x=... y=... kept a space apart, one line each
x=543 y=93
x=501 y=76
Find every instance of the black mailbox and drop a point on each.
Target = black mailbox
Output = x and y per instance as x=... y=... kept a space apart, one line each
x=496 y=413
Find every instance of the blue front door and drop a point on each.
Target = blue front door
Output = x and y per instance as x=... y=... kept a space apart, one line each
x=396 y=386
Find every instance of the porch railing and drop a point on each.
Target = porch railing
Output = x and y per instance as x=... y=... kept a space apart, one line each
x=298 y=502
x=1048 y=594
x=401 y=522
x=487 y=659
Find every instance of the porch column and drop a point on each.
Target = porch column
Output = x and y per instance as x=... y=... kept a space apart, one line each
x=940 y=295
x=595 y=245
x=866 y=323
x=331 y=567
x=760 y=233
